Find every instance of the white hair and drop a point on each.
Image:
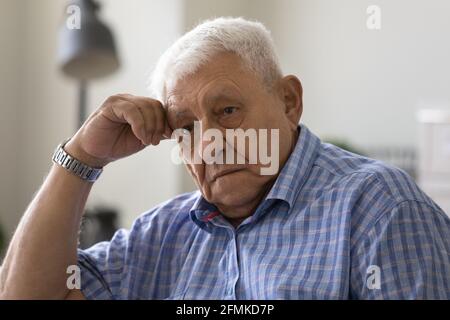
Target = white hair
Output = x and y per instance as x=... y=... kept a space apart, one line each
x=250 y=40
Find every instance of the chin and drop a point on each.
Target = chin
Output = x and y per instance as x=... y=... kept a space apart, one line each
x=233 y=195
x=234 y=190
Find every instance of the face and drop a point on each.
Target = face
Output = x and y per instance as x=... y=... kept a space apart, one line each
x=223 y=95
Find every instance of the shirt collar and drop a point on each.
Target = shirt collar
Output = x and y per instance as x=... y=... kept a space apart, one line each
x=202 y=212
x=287 y=185
x=297 y=168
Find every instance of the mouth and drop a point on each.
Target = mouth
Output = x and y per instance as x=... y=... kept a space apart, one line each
x=226 y=172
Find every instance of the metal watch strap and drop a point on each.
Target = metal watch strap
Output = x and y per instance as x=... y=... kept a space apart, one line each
x=75 y=166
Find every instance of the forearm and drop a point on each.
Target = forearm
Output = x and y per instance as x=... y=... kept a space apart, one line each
x=45 y=242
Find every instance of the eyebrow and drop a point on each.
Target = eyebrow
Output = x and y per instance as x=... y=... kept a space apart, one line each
x=226 y=94
x=178 y=113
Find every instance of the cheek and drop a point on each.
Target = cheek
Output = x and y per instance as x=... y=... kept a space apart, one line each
x=264 y=116
x=197 y=172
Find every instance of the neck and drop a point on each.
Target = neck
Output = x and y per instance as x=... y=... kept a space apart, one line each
x=236 y=214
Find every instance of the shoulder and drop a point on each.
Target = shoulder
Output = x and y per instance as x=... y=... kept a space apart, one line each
x=410 y=247
x=171 y=209
x=371 y=188
x=173 y=214
x=373 y=175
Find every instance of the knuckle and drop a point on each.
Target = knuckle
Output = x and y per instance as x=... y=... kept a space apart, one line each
x=137 y=118
x=139 y=125
x=153 y=102
x=111 y=99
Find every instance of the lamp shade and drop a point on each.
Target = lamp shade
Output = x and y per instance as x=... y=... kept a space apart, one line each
x=87 y=52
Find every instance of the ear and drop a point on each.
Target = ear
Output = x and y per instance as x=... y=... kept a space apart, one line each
x=292 y=97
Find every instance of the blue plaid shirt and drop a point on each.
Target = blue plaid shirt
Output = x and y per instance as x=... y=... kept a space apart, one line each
x=335 y=225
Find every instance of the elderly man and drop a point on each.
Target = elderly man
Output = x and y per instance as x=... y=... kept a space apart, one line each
x=327 y=225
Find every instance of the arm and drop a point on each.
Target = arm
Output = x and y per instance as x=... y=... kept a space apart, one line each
x=405 y=255
x=45 y=242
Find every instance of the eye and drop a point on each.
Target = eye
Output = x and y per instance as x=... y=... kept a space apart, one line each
x=229 y=110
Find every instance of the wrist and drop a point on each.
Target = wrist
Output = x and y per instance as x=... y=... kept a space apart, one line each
x=76 y=151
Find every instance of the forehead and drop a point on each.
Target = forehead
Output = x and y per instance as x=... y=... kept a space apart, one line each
x=223 y=75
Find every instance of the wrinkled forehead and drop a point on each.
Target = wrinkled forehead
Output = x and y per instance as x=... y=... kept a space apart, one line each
x=224 y=73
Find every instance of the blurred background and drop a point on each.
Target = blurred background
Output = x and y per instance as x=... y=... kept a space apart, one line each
x=375 y=81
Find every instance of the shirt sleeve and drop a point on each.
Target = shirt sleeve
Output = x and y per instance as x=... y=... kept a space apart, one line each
x=102 y=267
x=110 y=270
x=404 y=255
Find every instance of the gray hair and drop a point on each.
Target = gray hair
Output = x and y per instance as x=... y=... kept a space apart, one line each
x=250 y=40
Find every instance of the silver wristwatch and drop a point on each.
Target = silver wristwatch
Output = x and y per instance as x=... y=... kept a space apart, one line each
x=75 y=166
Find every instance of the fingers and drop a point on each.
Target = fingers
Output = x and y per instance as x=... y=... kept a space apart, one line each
x=155 y=116
x=167 y=131
x=126 y=112
x=146 y=117
x=160 y=117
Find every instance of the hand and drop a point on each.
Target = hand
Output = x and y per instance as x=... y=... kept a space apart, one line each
x=123 y=125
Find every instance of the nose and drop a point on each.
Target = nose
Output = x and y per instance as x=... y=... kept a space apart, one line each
x=209 y=133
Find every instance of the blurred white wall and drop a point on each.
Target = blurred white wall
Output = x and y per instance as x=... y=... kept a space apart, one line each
x=359 y=84
x=9 y=93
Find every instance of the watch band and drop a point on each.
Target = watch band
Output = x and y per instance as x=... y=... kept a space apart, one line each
x=75 y=166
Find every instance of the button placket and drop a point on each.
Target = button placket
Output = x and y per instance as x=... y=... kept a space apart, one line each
x=233 y=265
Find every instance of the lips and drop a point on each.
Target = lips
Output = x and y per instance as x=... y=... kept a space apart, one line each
x=225 y=172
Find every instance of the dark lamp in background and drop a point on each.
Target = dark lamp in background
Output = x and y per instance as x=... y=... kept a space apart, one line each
x=88 y=51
